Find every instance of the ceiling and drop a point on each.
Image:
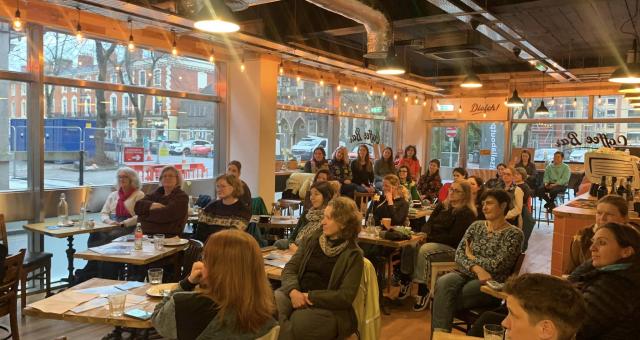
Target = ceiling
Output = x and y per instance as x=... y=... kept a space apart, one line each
x=570 y=33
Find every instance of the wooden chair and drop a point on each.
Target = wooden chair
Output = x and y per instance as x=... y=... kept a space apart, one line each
x=362 y=200
x=32 y=261
x=9 y=292
x=192 y=254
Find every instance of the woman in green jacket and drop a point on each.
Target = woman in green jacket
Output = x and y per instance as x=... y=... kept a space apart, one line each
x=405 y=179
x=322 y=278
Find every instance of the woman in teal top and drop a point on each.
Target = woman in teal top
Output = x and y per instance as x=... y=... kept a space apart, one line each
x=407 y=182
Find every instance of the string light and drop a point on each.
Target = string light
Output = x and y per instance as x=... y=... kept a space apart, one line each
x=79 y=36
x=131 y=45
x=17 y=21
x=174 y=47
x=406 y=98
x=415 y=101
x=242 y=67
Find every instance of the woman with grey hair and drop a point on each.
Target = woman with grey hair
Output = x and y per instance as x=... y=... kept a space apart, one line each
x=164 y=211
x=118 y=210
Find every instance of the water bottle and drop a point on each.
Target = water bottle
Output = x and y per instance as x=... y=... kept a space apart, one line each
x=137 y=243
x=63 y=211
x=371 y=224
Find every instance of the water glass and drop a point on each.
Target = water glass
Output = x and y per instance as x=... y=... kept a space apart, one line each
x=116 y=304
x=155 y=275
x=493 y=332
x=158 y=241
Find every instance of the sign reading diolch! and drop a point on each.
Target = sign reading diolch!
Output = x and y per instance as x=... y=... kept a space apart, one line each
x=483 y=109
x=601 y=138
x=368 y=136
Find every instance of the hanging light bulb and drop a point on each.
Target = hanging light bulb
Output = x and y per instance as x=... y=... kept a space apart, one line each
x=79 y=35
x=339 y=88
x=174 y=47
x=406 y=98
x=506 y=100
x=321 y=81
x=242 y=67
x=395 y=96
x=415 y=101
x=371 y=90
x=131 y=45
x=298 y=78
x=424 y=102
x=384 y=92
x=575 y=102
x=553 y=101
x=281 y=69
x=460 y=108
x=355 y=88
x=529 y=103
x=599 y=100
x=17 y=21
x=212 y=56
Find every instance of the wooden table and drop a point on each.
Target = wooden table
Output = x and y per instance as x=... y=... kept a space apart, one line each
x=100 y=315
x=568 y=220
x=420 y=213
x=147 y=255
x=45 y=228
x=370 y=239
x=274 y=273
x=450 y=336
x=495 y=293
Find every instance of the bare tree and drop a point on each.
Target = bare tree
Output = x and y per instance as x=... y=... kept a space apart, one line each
x=59 y=52
x=102 y=56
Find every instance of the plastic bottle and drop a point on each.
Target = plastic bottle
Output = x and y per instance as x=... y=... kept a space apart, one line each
x=63 y=211
x=137 y=244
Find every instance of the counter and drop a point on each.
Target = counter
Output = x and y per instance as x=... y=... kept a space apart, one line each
x=569 y=219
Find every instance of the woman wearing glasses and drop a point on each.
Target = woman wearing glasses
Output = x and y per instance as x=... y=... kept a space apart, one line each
x=164 y=211
x=407 y=182
x=226 y=212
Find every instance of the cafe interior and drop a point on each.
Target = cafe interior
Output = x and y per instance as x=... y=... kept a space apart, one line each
x=88 y=87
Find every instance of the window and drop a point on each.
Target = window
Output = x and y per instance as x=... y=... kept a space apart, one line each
x=125 y=104
x=87 y=106
x=113 y=104
x=114 y=78
x=202 y=80
x=559 y=108
x=13 y=110
x=293 y=139
x=74 y=106
x=157 y=77
x=366 y=102
x=23 y=89
x=613 y=107
x=63 y=106
x=356 y=131
x=304 y=94
x=142 y=78
x=13 y=89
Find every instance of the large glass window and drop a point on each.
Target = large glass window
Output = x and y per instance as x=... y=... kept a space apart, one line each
x=13 y=154
x=366 y=102
x=613 y=107
x=559 y=108
x=298 y=133
x=13 y=49
x=356 y=131
x=304 y=93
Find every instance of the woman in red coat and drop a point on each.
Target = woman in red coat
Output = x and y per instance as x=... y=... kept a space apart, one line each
x=411 y=161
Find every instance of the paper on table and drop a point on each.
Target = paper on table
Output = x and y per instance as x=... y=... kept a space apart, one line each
x=100 y=301
x=130 y=285
x=134 y=299
x=104 y=290
x=62 y=302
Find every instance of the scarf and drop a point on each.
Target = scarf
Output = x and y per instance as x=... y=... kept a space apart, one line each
x=332 y=248
x=121 y=210
x=314 y=219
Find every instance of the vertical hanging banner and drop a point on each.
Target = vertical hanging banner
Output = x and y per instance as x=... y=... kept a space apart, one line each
x=491 y=146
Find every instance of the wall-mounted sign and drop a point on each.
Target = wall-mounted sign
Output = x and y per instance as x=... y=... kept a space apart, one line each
x=376 y=109
x=483 y=109
x=445 y=107
x=368 y=136
x=601 y=138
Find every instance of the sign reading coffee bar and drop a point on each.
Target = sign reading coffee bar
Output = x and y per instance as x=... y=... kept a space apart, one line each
x=483 y=109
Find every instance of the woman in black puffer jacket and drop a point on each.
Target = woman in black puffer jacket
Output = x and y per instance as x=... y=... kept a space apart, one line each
x=610 y=284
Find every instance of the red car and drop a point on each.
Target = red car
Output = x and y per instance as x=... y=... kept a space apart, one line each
x=202 y=149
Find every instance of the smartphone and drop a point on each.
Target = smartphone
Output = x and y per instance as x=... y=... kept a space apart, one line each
x=139 y=314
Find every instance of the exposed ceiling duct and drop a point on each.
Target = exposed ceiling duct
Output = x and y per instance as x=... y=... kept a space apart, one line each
x=378 y=28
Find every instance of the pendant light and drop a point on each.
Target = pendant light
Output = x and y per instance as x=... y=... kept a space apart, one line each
x=131 y=46
x=515 y=100
x=321 y=81
x=215 y=17
x=542 y=109
x=17 y=23
x=79 y=35
x=281 y=68
x=628 y=73
x=471 y=81
x=629 y=88
x=339 y=87
x=371 y=90
x=174 y=46
x=384 y=92
x=391 y=65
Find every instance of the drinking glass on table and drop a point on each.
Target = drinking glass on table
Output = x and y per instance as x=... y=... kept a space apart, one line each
x=155 y=275
x=158 y=241
x=493 y=332
x=116 y=304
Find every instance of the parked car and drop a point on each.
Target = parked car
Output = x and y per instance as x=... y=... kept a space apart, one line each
x=577 y=155
x=354 y=152
x=202 y=150
x=186 y=147
x=155 y=145
x=304 y=148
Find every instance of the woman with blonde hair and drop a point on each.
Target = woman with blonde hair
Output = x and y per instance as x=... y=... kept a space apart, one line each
x=340 y=170
x=164 y=211
x=231 y=271
x=322 y=278
x=394 y=204
x=228 y=211
x=446 y=227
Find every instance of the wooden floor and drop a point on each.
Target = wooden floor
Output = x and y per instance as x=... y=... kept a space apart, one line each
x=403 y=323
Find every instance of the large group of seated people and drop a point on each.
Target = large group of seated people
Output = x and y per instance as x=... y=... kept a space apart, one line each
x=482 y=227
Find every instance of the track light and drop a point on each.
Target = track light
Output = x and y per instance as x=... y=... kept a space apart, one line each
x=17 y=21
